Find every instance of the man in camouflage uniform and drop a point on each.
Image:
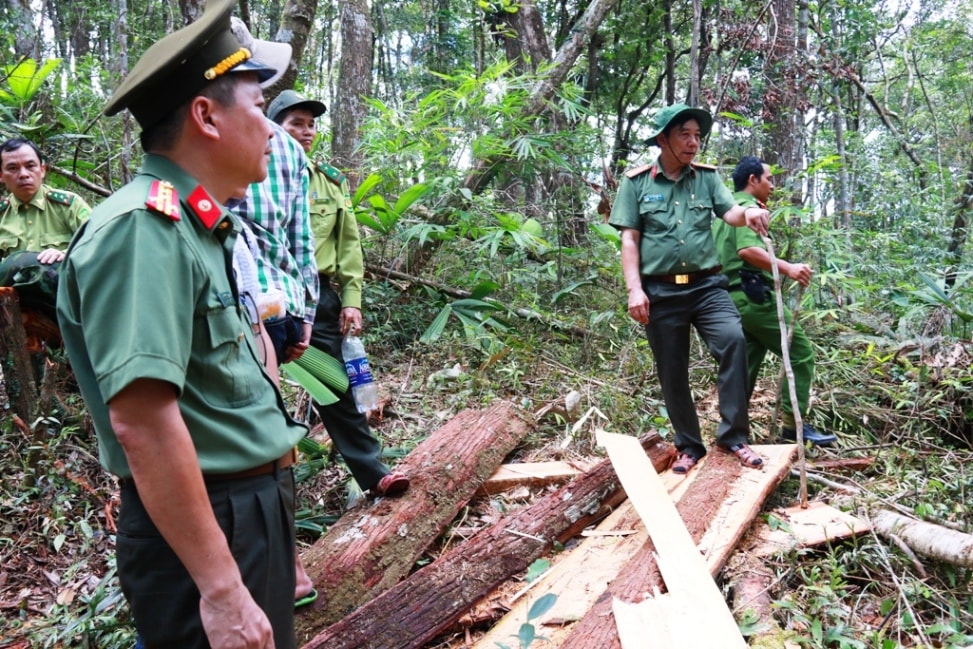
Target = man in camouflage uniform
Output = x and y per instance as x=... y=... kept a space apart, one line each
x=36 y=225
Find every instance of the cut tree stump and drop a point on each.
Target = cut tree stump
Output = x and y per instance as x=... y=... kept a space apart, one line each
x=371 y=549
x=428 y=602
x=722 y=495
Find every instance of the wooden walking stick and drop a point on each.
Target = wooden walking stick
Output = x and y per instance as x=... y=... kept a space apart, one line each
x=785 y=356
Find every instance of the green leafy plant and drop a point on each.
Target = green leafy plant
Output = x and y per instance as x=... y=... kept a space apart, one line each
x=528 y=633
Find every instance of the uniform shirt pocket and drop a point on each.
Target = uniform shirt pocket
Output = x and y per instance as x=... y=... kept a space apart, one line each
x=226 y=365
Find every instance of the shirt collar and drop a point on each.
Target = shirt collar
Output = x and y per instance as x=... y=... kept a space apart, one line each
x=188 y=190
x=38 y=200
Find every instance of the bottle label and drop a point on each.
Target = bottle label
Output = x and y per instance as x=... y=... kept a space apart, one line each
x=359 y=372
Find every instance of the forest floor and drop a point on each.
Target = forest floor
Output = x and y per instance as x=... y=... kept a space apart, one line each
x=58 y=586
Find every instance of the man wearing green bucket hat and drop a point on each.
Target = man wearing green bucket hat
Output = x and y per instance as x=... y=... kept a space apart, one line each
x=669 y=260
x=165 y=357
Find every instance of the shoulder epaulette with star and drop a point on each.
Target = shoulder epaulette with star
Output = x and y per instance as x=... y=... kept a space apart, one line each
x=700 y=165
x=637 y=171
x=333 y=174
x=60 y=197
x=163 y=198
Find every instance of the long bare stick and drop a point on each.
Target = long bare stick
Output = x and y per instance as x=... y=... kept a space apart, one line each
x=780 y=379
x=785 y=355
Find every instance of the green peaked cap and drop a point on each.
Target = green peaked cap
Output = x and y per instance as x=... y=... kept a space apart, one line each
x=291 y=99
x=177 y=67
x=665 y=116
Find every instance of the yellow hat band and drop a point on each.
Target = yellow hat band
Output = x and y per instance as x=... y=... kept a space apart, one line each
x=228 y=63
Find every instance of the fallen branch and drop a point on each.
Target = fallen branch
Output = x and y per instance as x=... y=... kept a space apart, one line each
x=928 y=539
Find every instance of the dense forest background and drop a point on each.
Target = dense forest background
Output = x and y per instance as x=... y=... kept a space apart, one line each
x=483 y=139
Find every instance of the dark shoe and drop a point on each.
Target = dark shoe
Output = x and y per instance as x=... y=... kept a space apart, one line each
x=684 y=463
x=810 y=435
x=747 y=456
x=391 y=484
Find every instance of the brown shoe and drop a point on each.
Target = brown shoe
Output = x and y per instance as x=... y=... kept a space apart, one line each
x=747 y=456
x=684 y=463
x=391 y=484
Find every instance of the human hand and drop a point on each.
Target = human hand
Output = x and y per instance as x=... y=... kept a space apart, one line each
x=234 y=621
x=757 y=219
x=296 y=350
x=800 y=273
x=350 y=321
x=638 y=306
x=50 y=256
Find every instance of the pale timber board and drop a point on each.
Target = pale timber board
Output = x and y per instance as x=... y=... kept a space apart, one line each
x=580 y=576
x=818 y=524
x=532 y=474
x=680 y=562
x=666 y=620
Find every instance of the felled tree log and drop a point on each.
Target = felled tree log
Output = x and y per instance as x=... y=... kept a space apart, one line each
x=370 y=550
x=928 y=539
x=419 y=608
x=18 y=373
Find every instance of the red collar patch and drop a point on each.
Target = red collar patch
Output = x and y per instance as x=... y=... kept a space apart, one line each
x=163 y=198
x=206 y=208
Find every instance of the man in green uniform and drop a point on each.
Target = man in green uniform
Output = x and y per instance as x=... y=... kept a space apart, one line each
x=36 y=225
x=669 y=261
x=747 y=264
x=165 y=357
x=339 y=259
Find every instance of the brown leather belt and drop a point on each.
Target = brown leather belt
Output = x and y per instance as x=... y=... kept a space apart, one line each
x=685 y=278
x=263 y=469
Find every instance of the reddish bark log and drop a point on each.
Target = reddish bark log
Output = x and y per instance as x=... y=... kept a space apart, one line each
x=418 y=609
x=18 y=373
x=371 y=549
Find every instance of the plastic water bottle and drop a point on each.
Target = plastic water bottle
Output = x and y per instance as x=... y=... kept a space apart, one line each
x=363 y=387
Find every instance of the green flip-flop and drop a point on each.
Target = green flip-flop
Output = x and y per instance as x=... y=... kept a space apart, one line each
x=310 y=598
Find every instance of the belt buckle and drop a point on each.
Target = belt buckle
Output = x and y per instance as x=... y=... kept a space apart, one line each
x=682 y=279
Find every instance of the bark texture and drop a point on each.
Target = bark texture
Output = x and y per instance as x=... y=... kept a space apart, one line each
x=18 y=374
x=927 y=538
x=357 y=36
x=370 y=550
x=430 y=600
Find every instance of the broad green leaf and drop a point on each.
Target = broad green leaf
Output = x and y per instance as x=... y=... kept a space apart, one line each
x=435 y=330
x=324 y=367
x=365 y=187
x=541 y=606
x=318 y=391
x=408 y=197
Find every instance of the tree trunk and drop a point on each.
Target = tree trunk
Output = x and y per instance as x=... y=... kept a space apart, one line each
x=927 y=538
x=191 y=10
x=296 y=20
x=18 y=373
x=785 y=73
x=430 y=600
x=961 y=228
x=524 y=40
x=357 y=37
x=25 y=41
x=370 y=550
